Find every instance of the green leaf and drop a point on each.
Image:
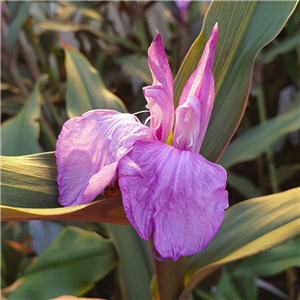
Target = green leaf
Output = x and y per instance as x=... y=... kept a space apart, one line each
x=239 y=288
x=80 y=4
x=86 y=90
x=271 y=262
x=29 y=192
x=57 y=26
x=69 y=266
x=109 y=38
x=136 y=65
x=87 y=8
x=205 y=295
x=244 y=28
x=29 y=181
x=243 y=185
x=18 y=19
x=281 y=47
x=135 y=268
x=249 y=227
x=20 y=133
x=246 y=147
x=283 y=173
x=266 y=216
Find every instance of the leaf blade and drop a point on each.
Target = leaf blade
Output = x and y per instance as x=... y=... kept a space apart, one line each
x=245 y=147
x=58 y=262
x=20 y=133
x=18 y=20
x=86 y=90
x=272 y=261
x=273 y=219
x=244 y=28
x=268 y=212
x=34 y=178
x=134 y=257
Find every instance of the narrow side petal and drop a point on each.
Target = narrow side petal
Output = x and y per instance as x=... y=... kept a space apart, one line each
x=160 y=95
x=178 y=195
x=201 y=86
x=88 y=150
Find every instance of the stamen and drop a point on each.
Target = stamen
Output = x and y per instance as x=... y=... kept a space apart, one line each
x=152 y=116
x=191 y=141
x=148 y=119
x=140 y=112
x=179 y=137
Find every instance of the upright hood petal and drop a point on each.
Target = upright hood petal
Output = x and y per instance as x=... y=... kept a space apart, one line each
x=191 y=124
x=178 y=195
x=88 y=150
x=160 y=95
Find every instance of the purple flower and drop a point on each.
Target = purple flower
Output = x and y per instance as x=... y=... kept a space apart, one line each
x=182 y=5
x=170 y=191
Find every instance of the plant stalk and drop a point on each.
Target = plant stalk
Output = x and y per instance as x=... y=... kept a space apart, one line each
x=290 y=273
x=14 y=73
x=169 y=276
x=269 y=154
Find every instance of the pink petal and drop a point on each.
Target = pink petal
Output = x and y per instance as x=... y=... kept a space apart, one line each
x=199 y=86
x=187 y=129
x=160 y=95
x=178 y=194
x=88 y=151
x=182 y=5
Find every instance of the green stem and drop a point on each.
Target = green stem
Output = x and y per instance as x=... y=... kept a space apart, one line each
x=14 y=72
x=47 y=137
x=260 y=173
x=57 y=120
x=291 y=275
x=269 y=154
x=169 y=276
x=30 y=63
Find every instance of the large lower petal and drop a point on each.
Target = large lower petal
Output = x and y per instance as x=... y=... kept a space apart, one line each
x=199 y=86
x=88 y=150
x=160 y=95
x=178 y=195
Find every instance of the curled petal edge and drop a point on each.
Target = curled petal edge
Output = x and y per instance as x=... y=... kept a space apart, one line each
x=88 y=151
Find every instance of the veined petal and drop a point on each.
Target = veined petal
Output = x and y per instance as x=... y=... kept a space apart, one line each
x=178 y=195
x=160 y=95
x=88 y=150
x=200 y=85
